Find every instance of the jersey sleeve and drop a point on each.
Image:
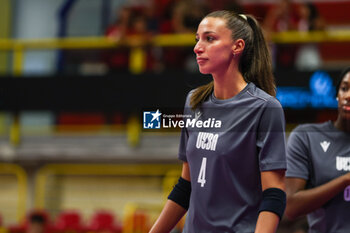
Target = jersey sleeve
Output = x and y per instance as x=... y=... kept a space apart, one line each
x=271 y=141
x=297 y=155
x=183 y=145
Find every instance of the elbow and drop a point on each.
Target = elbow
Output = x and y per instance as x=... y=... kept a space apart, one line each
x=290 y=215
x=291 y=210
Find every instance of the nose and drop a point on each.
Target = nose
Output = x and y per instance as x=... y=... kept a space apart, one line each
x=198 y=48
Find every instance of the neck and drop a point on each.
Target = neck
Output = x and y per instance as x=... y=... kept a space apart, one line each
x=228 y=84
x=342 y=124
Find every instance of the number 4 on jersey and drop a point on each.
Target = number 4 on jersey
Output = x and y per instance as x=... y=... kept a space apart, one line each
x=201 y=176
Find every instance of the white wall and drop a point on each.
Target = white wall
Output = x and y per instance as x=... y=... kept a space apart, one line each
x=36 y=19
x=85 y=18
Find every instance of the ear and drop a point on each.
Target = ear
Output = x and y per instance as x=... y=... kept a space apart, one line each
x=238 y=47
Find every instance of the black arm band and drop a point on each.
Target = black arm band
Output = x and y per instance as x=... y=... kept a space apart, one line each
x=181 y=193
x=274 y=200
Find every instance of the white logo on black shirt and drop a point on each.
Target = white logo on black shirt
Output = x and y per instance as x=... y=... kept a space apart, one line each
x=207 y=141
x=197 y=115
x=325 y=145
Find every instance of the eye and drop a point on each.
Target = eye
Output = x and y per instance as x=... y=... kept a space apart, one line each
x=210 y=38
x=196 y=40
x=344 y=88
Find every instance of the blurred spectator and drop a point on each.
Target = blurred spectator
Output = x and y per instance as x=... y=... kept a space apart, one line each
x=282 y=17
x=140 y=24
x=308 y=56
x=234 y=6
x=303 y=17
x=231 y=5
x=186 y=16
x=37 y=222
x=142 y=37
x=309 y=18
x=181 y=16
x=119 y=28
x=118 y=59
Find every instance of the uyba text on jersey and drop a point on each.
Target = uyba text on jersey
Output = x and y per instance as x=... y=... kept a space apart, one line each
x=343 y=163
x=207 y=141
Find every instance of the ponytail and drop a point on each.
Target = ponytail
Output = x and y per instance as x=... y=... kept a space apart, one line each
x=255 y=63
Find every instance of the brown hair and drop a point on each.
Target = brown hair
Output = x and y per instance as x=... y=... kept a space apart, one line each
x=255 y=62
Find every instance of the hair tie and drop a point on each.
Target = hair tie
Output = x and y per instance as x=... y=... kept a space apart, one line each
x=243 y=16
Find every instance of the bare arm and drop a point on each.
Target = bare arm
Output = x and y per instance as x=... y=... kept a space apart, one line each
x=301 y=201
x=172 y=212
x=268 y=221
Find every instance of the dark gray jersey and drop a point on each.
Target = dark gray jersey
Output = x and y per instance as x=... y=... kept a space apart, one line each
x=225 y=162
x=319 y=153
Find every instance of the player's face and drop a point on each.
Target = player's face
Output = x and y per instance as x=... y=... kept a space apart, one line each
x=344 y=97
x=214 y=45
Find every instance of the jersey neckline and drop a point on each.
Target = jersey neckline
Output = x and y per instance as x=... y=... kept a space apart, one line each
x=333 y=128
x=219 y=101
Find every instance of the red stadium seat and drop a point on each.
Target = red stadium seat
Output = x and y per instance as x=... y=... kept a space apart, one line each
x=68 y=221
x=104 y=221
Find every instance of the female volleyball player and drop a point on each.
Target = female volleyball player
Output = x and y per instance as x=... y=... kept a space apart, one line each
x=233 y=170
x=318 y=161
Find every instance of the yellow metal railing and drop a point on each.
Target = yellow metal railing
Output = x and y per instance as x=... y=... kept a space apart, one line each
x=21 y=176
x=18 y=46
x=311 y=37
x=97 y=42
x=96 y=169
x=165 y=40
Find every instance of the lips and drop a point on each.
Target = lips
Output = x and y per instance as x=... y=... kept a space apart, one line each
x=346 y=107
x=201 y=60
